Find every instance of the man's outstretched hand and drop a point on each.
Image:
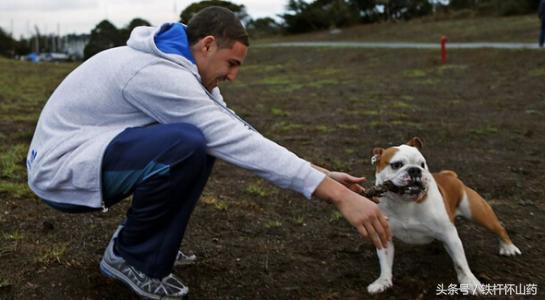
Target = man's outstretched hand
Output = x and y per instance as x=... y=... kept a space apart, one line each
x=351 y=182
x=359 y=211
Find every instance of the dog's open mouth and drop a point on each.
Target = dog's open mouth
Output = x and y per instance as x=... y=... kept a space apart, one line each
x=413 y=191
x=414 y=188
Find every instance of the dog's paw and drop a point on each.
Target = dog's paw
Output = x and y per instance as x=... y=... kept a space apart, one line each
x=380 y=285
x=474 y=285
x=509 y=249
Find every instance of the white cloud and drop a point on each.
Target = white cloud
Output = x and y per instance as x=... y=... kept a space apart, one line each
x=43 y=6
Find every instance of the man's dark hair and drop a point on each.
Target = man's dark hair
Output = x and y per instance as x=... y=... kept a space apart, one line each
x=219 y=22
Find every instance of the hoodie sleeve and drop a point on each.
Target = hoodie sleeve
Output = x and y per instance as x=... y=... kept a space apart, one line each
x=169 y=94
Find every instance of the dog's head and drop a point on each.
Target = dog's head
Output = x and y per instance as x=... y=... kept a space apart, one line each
x=405 y=167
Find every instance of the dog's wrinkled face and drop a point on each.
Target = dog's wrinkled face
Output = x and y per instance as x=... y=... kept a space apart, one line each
x=405 y=167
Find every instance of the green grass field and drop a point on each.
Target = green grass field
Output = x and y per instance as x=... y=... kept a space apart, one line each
x=429 y=30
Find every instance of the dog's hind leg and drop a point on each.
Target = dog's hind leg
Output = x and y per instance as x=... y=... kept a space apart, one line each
x=386 y=260
x=475 y=208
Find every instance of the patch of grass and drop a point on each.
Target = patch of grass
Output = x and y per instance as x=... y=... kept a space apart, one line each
x=214 y=202
x=407 y=98
x=277 y=112
x=16 y=190
x=300 y=221
x=362 y=112
x=450 y=68
x=349 y=151
x=486 y=130
x=286 y=126
x=415 y=73
x=257 y=189
x=349 y=126
x=406 y=124
x=273 y=224
x=335 y=216
x=428 y=81
x=262 y=68
x=324 y=129
x=328 y=71
x=540 y=72
x=324 y=82
x=20 y=118
x=28 y=85
x=11 y=162
x=401 y=105
x=53 y=253
x=7 y=248
x=275 y=80
x=4 y=283
x=14 y=236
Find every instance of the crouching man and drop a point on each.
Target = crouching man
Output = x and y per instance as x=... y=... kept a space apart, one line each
x=148 y=120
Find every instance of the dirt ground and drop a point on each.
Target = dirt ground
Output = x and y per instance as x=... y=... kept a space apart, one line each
x=481 y=115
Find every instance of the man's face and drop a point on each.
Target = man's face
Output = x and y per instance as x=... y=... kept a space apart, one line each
x=219 y=64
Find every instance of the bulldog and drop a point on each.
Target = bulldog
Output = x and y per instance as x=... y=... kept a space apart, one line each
x=423 y=206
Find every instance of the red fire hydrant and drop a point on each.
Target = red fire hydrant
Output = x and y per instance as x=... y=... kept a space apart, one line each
x=444 y=49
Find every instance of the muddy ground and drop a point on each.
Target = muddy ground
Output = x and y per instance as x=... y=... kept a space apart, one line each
x=482 y=115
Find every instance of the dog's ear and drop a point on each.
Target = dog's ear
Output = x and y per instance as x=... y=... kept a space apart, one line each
x=416 y=142
x=377 y=153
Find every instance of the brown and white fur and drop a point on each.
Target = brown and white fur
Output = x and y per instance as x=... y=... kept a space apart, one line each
x=427 y=210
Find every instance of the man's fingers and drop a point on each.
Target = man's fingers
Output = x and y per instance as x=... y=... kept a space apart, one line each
x=382 y=232
x=373 y=236
x=386 y=225
x=357 y=179
x=356 y=188
x=363 y=231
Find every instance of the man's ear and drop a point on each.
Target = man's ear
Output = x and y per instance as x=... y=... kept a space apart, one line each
x=207 y=44
x=377 y=153
x=416 y=142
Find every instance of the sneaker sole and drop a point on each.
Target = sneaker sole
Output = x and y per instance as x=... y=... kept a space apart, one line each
x=115 y=274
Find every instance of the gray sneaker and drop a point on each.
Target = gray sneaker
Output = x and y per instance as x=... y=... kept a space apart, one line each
x=170 y=287
x=182 y=259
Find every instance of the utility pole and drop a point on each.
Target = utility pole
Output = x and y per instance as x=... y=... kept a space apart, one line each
x=37 y=39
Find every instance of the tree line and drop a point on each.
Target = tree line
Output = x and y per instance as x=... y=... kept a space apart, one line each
x=301 y=16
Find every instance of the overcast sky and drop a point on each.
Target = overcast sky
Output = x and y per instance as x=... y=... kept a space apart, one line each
x=80 y=16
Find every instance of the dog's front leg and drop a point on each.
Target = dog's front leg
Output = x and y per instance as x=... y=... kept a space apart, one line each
x=454 y=247
x=386 y=260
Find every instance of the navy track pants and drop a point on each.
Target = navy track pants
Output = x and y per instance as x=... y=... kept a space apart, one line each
x=165 y=168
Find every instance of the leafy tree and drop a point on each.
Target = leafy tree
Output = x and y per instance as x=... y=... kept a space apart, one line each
x=104 y=36
x=263 y=27
x=496 y=7
x=126 y=32
x=239 y=10
x=320 y=14
x=463 y=4
x=406 y=9
x=367 y=10
x=7 y=44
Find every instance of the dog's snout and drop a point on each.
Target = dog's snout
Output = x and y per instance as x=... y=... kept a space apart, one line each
x=414 y=172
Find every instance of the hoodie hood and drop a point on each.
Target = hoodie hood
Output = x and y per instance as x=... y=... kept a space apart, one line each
x=168 y=41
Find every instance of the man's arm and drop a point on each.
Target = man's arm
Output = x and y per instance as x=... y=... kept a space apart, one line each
x=359 y=211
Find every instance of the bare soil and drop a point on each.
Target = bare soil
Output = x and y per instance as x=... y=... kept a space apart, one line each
x=481 y=115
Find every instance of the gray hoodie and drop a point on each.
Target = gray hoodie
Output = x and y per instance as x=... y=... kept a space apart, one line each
x=139 y=85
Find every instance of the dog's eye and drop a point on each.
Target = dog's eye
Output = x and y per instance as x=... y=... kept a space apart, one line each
x=396 y=165
x=423 y=165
